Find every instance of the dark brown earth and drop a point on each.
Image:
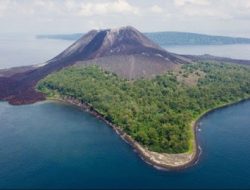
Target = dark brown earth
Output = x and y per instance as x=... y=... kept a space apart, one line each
x=124 y=51
x=17 y=86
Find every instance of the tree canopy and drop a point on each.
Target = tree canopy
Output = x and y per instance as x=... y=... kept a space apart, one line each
x=156 y=112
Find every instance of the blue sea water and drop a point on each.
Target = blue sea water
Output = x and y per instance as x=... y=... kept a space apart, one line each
x=19 y=50
x=52 y=145
x=235 y=51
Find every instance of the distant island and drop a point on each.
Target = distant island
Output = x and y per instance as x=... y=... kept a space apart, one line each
x=169 y=38
x=151 y=97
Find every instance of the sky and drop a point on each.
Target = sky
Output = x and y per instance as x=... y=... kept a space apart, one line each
x=219 y=17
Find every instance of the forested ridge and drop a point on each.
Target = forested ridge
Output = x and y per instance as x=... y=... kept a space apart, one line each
x=157 y=112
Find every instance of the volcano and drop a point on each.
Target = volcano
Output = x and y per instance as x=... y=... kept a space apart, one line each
x=124 y=51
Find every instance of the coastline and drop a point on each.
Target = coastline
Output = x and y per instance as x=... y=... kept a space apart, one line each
x=161 y=161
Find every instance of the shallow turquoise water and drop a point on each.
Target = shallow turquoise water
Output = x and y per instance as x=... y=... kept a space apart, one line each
x=51 y=145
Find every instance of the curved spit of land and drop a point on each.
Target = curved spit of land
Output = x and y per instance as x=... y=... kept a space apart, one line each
x=191 y=84
x=163 y=161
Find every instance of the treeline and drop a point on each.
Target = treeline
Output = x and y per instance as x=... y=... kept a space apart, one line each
x=157 y=112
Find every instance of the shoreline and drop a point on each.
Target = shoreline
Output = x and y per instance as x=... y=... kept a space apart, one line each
x=162 y=161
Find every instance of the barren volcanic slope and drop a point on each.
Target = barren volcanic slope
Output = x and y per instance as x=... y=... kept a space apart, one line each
x=124 y=51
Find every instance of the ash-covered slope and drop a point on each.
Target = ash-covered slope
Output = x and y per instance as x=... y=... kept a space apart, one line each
x=129 y=54
x=124 y=51
x=113 y=42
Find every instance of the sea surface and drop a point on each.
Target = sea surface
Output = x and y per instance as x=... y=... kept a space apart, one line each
x=53 y=145
x=19 y=50
x=235 y=51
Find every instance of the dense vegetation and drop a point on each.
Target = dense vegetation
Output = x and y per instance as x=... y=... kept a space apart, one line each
x=157 y=113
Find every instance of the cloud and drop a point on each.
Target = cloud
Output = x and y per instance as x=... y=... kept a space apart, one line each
x=156 y=9
x=111 y=7
x=4 y=6
x=62 y=16
x=192 y=2
x=179 y=9
x=204 y=9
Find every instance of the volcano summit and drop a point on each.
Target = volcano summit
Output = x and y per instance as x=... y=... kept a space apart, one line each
x=151 y=97
x=124 y=51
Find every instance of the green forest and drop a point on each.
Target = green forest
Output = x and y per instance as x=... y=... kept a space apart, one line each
x=156 y=112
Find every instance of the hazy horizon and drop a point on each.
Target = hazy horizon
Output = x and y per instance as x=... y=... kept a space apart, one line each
x=213 y=17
